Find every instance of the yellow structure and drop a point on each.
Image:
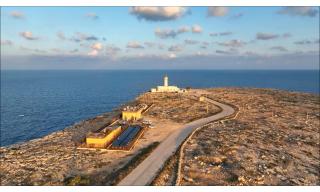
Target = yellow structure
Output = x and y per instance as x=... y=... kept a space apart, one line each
x=133 y=113
x=202 y=98
x=104 y=138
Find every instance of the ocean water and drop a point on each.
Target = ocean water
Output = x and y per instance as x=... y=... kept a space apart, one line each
x=36 y=103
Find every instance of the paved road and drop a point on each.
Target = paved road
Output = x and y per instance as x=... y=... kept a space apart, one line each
x=146 y=171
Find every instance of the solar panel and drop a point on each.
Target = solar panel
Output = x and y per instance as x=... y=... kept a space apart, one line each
x=126 y=136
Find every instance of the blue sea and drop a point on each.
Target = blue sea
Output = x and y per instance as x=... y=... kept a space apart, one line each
x=36 y=103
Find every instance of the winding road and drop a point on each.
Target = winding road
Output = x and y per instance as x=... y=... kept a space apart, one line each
x=147 y=170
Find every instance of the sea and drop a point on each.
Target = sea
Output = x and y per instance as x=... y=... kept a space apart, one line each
x=37 y=103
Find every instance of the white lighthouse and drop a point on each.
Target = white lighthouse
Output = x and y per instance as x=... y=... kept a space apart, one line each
x=166 y=87
x=165 y=81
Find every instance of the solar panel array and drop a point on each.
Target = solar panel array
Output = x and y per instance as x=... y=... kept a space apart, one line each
x=126 y=136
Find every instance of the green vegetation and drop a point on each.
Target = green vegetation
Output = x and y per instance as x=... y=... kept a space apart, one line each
x=77 y=180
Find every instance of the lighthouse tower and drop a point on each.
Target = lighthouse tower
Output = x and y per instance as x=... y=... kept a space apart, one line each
x=166 y=88
x=165 y=81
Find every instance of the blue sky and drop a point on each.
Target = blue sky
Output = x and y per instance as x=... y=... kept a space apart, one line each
x=132 y=37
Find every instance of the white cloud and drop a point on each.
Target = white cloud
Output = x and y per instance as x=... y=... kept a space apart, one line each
x=171 y=33
x=149 y=44
x=266 y=36
x=172 y=55
x=95 y=49
x=93 y=53
x=78 y=37
x=17 y=14
x=221 y=34
x=217 y=11
x=190 y=41
x=213 y=34
x=154 y=45
x=299 y=11
x=112 y=50
x=196 y=29
x=279 y=48
x=6 y=42
x=233 y=43
x=134 y=45
x=165 y=33
x=28 y=35
x=175 y=48
x=61 y=35
x=183 y=29
x=32 y=50
x=227 y=52
x=306 y=42
x=199 y=53
x=74 y=51
x=93 y=16
x=158 y=13
x=97 y=46
x=225 y=33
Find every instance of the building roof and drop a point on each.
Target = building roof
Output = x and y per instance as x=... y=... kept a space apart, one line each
x=103 y=133
x=99 y=135
x=134 y=108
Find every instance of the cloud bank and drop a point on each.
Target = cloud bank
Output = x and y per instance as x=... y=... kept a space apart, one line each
x=217 y=11
x=224 y=61
x=28 y=35
x=300 y=11
x=17 y=14
x=266 y=36
x=134 y=45
x=158 y=13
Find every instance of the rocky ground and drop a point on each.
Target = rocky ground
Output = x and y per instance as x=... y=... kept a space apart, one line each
x=54 y=159
x=274 y=140
x=167 y=176
x=177 y=107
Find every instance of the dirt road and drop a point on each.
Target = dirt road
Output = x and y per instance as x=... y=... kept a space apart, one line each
x=148 y=169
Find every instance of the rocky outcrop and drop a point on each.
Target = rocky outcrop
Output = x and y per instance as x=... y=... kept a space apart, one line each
x=273 y=141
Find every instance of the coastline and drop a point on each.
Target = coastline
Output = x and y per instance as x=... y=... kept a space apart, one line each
x=58 y=151
x=117 y=111
x=62 y=144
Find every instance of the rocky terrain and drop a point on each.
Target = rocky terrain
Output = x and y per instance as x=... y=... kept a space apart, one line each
x=274 y=140
x=55 y=159
x=178 y=107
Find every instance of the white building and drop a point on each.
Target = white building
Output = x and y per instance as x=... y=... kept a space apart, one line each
x=166 y=87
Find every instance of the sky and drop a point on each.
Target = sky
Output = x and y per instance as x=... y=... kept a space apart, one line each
x=159 y=38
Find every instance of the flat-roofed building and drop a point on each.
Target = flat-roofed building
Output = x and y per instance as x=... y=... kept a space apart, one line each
x=103 y=138
x=133 y=113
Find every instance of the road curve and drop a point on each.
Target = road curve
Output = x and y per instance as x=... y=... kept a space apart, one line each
x=146 y=171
